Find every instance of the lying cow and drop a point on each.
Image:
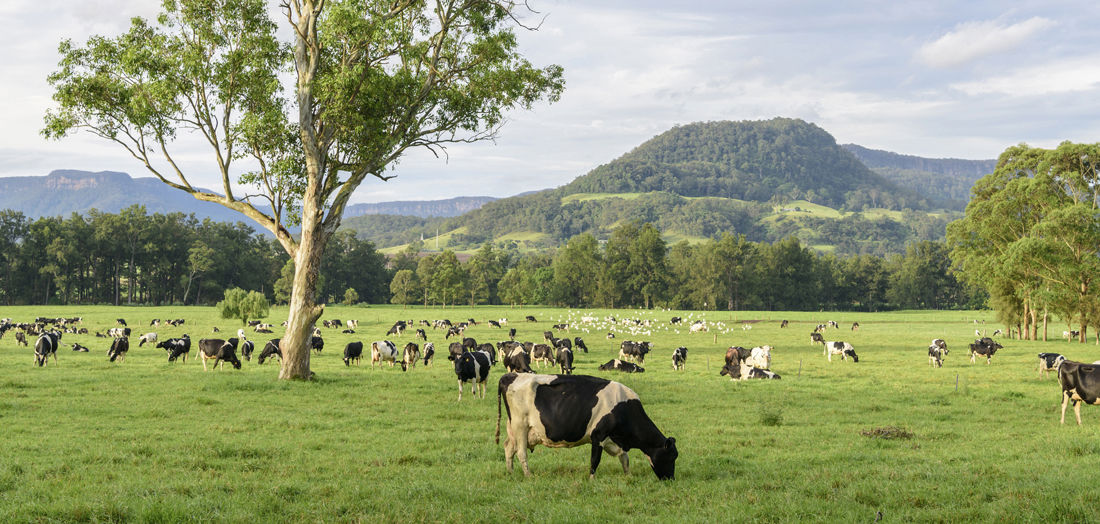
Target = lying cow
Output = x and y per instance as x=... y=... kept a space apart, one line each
x=622 y=365
x=843 y=349
x=473 y=367
x=1080 y=383
x=743 y=371
x=679 y=358
x=220 y=351
x=79 y=348
x=385 y=351
x=1049 y=362
x=571 y=410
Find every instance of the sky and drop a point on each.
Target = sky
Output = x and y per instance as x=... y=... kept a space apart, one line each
x=935 y=79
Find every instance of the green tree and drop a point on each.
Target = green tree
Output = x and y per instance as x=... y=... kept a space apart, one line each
x=351 y=297
x=576 y=271
x=372 y=80
x=403 y=287
x=200 y=259
x=243 y=305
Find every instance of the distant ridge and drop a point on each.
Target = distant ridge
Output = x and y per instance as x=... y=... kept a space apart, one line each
x=939 y=178
x=450 y=207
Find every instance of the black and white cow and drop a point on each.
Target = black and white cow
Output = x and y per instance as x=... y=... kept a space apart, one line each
x=1049 y=362
x=385 y=351
x=78 y=348
x=736 y=354
x=45 y=346
x=148 y=337
x=176 y=347
x=21 y=338
x=743 y=371
x=454 y=350
x=816 y=338
x=530 y=318
x=565 y=361
x=118 y=349
x=410 y=355
x=578 y=343
x=985 y=347
x=935 y=355
x=511 y=333
x=473 y=367
x=679 y=358
x=353 y=351
x=760 y=357
x=517 y=360
x=542 y=354
x=220 y=351
x=429 y=354
x=1080 y=383
x=271 y=349
x=621 y=365
x=317 y=343
x=421 y=334
x=635 y=351
x=843 y=349
x=247 y=348
x=572 y=410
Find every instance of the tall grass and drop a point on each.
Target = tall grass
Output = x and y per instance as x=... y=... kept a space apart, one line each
x=146 y=440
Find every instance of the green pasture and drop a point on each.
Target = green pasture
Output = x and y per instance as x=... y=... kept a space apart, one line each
x=87 y=440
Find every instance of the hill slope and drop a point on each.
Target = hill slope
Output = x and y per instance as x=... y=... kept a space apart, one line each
x=940 y=178
x=450 y=207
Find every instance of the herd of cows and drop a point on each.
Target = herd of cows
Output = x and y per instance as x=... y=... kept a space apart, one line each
x=562 y=410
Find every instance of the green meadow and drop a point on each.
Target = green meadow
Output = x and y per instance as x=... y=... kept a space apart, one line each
x=87 y=440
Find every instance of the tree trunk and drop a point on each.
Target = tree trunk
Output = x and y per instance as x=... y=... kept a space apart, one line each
x=1045 y=315
x=304 y=311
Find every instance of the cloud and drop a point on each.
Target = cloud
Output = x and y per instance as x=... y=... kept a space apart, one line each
x=1063 y=76
x=973 y=40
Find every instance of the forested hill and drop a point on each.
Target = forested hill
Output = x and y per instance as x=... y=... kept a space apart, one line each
x=420 y=208
x=940 y=178
x=773 y=160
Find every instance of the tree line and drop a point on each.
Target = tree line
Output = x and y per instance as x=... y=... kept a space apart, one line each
x=636 y=268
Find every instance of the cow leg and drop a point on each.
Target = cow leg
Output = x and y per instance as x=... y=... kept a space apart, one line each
x=204 y=363
x=518 y=436
x=597 y=453
x=1077 y=410
x=624 y=459
x=460 y=390
x=1065 y=402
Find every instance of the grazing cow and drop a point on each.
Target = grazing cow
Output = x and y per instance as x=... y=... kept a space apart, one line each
x=561 y=327
x=816 y=338
x=1049 y=362
x=578 y=343
x=531 y=318
x=79 y=348
x=760 y=357
x=511 y=333
x=271 y=349
x=517 y=361
x=843 y=349
x=1080 y=383
x=855 y=326
x=21 y=338
x=247 y=347
x=454 y=350
x=571 y=410
x=503 y=321
x=698 y=326
x=118 y=332
x=469 y=343
x=383 y=351
x=120 y=321
x=220 y=351
x=176 y=347
x=489 y=350
x=783 y=324
x=935 y=356
x=473 y=367
x=353 y=351
x=1070 y=335
x=397 y=329
x=421 y=334
x=155 y=322
x=679 y=358
x=744 y=371
x=833 y=324
x=429 y=354
x=675 y=320
x=985 y=347
x=45 y=346
x=635 y=351
x=494 y=323
x=148 y=337
x=118 y=349
x=565 y=360
x=317 y=343
x=622 y=365
x=548 y=336
x=410 y=354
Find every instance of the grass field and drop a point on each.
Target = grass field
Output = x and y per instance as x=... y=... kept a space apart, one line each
x=146 y=440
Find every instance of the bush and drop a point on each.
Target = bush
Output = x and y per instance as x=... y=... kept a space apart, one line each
x=244 y=305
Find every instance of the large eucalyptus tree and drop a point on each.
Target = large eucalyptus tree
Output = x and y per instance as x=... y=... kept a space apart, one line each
x=303 y=123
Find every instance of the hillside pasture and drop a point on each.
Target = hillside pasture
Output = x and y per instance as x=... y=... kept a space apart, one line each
x=89 y=440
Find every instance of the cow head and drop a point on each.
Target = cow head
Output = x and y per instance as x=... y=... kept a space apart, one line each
x=851 y=353
x=663 y=460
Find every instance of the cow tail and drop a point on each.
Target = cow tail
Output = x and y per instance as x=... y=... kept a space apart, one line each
x=496 y=438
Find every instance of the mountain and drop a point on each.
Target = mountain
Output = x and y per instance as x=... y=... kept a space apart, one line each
x=66 y=191
x=771 y=160
x=764 y=179
x=450 y=207
x=940 y=178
